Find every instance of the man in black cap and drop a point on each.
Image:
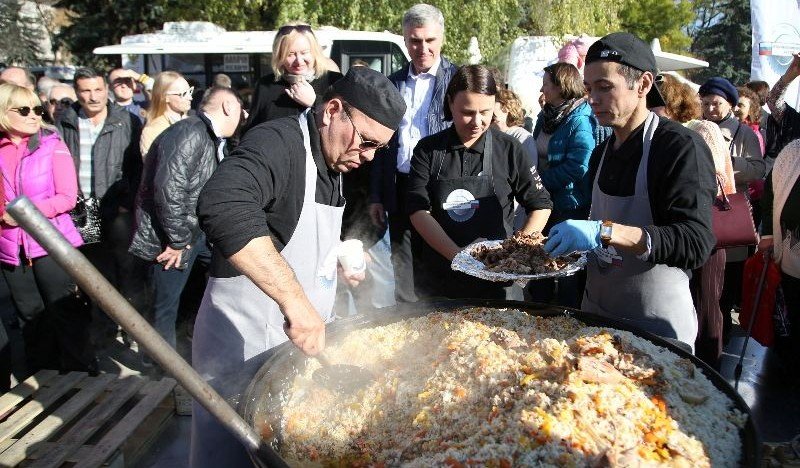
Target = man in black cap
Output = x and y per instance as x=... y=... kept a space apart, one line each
x=653 y=185
x=273 y=212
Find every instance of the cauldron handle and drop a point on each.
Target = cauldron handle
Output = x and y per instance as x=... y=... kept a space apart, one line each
x=111 y=301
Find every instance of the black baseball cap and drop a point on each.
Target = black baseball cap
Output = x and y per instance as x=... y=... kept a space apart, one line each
x=372 y=93
x=627 y=49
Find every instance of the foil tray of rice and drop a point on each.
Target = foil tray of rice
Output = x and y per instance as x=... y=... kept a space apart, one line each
x=501 y=387
x=520 y=258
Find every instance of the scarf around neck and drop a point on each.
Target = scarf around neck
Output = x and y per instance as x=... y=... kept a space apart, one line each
x=554 y=115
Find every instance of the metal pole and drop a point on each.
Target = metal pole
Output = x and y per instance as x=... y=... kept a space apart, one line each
x=737 y=372
x=111 y=301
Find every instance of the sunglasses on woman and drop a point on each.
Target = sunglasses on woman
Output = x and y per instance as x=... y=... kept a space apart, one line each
x=297 y=27
x=25 y=110
x=185 y=94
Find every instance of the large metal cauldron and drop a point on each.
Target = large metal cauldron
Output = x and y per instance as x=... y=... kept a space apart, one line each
x=261 y=404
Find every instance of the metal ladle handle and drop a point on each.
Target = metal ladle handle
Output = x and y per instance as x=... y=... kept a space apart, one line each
x=111 y=301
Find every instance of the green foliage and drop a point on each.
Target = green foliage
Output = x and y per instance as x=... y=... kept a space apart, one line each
x=662 y=19
x=233 y=15
x=571 y=17
x=96 y=23
x=495 y=23
x=19 y=42
x=722 y=37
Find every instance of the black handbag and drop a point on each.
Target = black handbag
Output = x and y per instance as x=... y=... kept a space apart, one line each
x=86 y=216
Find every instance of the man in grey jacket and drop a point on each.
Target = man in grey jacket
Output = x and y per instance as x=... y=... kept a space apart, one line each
x=104 y=141
x=422 y=83
x=176 y=168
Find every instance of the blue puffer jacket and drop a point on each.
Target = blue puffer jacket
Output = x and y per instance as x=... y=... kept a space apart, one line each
x=568 y=155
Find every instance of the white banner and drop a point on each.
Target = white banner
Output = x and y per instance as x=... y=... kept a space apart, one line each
x=776 y=35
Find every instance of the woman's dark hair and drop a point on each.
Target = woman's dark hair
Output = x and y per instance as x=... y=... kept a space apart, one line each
x=472 y=78
x=568 y=78
x=754 y=115
x=761 y=88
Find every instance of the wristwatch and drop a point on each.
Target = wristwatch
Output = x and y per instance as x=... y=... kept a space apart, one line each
x=606 y=229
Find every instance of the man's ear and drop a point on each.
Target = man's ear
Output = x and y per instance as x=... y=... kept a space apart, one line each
x=645 y=83
x=331 y=110
x=227 y=107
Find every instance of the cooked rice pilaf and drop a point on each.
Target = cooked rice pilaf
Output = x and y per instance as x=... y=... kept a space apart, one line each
x=500 y=388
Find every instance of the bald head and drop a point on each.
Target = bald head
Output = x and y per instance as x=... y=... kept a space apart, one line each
x=224 y=107
x=18 y=76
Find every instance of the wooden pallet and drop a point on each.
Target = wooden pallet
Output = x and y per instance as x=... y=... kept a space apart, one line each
x=50 y=420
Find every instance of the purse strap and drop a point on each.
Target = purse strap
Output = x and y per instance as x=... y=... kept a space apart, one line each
x=730 y=147
x=723 y=202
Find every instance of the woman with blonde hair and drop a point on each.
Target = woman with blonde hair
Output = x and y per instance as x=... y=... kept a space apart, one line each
x=707 y=281
x=509 y=118
x=36 y=163
x=300 y=75
x=170 y=102
x=682 y=103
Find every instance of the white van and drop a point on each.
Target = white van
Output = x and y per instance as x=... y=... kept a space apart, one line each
x=199 y=50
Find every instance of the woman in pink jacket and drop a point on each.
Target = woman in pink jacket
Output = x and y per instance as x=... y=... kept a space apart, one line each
x=37 y=164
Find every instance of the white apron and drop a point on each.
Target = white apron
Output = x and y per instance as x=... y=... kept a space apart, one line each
x=649 y=296
x=237 y=322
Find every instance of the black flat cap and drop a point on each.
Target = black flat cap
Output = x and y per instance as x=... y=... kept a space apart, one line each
x=627 y=49
x=372 y=93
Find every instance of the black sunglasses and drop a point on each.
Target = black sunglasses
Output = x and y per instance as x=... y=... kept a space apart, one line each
x=25 y=110
x=365 y=145
x=64 y=102
x=297 y=27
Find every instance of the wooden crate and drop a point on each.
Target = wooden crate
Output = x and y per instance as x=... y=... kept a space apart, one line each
x=50 y=420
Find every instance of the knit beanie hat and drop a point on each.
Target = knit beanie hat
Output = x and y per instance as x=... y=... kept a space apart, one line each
x=720 y=87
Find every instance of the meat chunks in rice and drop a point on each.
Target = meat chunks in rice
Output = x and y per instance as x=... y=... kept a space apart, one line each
x=520 y=254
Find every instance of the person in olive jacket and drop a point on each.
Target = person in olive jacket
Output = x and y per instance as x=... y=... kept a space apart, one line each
x=176 y=168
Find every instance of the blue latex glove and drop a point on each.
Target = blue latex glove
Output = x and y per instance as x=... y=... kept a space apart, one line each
x=572 y=235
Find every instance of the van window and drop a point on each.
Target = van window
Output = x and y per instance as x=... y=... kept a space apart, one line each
x=239 y=67
x=398 y=58
x=377 y=55
x=191 y=66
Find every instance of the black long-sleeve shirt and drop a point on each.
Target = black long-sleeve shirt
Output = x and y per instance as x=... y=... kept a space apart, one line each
x=258 y=190
x=513 y=176
x=681 y=184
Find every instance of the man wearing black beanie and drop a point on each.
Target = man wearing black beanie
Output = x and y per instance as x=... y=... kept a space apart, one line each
x=273 y=212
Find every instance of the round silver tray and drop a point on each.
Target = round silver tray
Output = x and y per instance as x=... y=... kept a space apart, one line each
x=466 y=263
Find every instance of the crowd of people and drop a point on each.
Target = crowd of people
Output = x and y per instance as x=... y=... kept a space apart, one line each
x=622 y=162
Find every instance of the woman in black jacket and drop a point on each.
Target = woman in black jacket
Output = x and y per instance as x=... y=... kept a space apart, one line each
x=300 y=75
x=462 y=186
